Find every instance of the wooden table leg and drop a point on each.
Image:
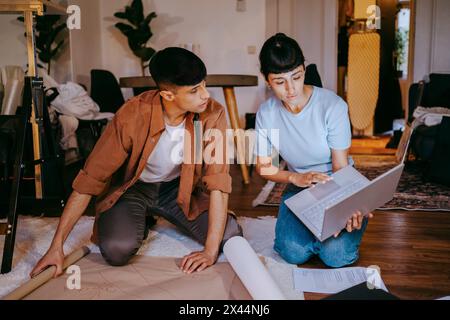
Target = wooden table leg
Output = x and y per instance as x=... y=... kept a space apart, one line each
x=230 y=100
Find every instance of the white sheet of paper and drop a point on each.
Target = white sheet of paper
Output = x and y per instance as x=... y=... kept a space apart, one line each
x=335 y=280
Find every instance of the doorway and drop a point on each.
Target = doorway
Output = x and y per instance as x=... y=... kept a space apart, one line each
x=405 y=35
x=394 y=21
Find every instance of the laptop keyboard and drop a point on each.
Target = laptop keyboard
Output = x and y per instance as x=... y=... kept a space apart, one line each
x=316 y=213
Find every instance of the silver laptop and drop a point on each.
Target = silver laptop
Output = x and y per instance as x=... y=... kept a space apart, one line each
x=325 y=208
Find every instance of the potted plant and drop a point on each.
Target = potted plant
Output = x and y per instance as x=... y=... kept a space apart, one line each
x=137 y=31
x=401 y=41
x=48 y=28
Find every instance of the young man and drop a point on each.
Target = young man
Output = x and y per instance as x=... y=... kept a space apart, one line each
x=145 y=165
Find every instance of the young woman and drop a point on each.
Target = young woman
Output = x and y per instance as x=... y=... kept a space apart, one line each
x=313 y=138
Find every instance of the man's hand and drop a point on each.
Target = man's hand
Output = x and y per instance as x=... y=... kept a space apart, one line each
x=307 y=179
x=73 y=210
x=355 y=222
x=198 y=260
x=53 y=257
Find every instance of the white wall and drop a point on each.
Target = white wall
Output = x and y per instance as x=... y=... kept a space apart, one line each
x=86 y=46
x=432 y=40
x=13 y=50
x=222 y=33
x=314 y=25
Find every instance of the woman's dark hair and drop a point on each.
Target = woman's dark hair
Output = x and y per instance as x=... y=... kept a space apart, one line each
x=177 y=66
x=280 y=54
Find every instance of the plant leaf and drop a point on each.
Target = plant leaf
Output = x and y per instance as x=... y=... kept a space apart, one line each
x=138 y=9
x=120 y=15
x=137 y=39
x=139 y=32
x=150 y=17
x=124 y=28
x=58 y=46
x=54 y=33
x=144 y=53
x=44 y=56
x=131 y=16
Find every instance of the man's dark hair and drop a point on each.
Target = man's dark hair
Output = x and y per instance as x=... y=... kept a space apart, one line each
x=280 y=54
x=177 y=66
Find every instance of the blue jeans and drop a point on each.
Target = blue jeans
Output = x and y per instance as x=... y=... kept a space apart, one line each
x=296 y=244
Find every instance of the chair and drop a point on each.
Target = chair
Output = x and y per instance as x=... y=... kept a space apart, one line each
x=105 y=91
x=312 y=76
x=435 y=93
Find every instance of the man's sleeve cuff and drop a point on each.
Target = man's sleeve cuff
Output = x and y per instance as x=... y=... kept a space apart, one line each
x=86 y=184
x=220 y=181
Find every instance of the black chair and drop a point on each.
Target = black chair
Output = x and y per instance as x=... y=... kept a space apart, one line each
x=105 y=91
x=435 y=93
x=312 y=76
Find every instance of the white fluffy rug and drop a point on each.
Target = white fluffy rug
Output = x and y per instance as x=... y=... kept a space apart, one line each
x=34 y=235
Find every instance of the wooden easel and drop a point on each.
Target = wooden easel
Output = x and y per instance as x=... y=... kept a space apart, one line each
x=34 y=113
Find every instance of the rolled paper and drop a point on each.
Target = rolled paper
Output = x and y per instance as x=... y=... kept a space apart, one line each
x=45 y=276
x=251 y=271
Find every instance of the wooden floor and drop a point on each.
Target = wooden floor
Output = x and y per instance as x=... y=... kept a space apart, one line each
x=412 y=249
x=372 y=145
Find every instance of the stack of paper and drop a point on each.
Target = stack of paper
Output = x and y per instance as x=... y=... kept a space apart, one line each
x=336 y=280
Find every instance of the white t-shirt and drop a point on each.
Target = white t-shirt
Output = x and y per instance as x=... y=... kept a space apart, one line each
x=164 y=163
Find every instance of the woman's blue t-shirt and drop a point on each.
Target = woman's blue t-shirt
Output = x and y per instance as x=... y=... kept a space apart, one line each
x=304 y=140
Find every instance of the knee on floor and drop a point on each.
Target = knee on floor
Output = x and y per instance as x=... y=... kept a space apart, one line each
x=292 y=252
x=117 y=253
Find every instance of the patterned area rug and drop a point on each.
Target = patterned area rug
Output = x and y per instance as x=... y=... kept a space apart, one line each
x=414 y=192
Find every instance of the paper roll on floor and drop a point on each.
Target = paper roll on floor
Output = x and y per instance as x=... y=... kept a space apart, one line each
x=251 y=271
x=45 y=276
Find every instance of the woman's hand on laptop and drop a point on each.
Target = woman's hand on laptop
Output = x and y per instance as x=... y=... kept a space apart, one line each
x=308 y=179
x=355 y=222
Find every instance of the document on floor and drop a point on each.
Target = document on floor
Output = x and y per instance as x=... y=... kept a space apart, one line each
x=336 y=280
